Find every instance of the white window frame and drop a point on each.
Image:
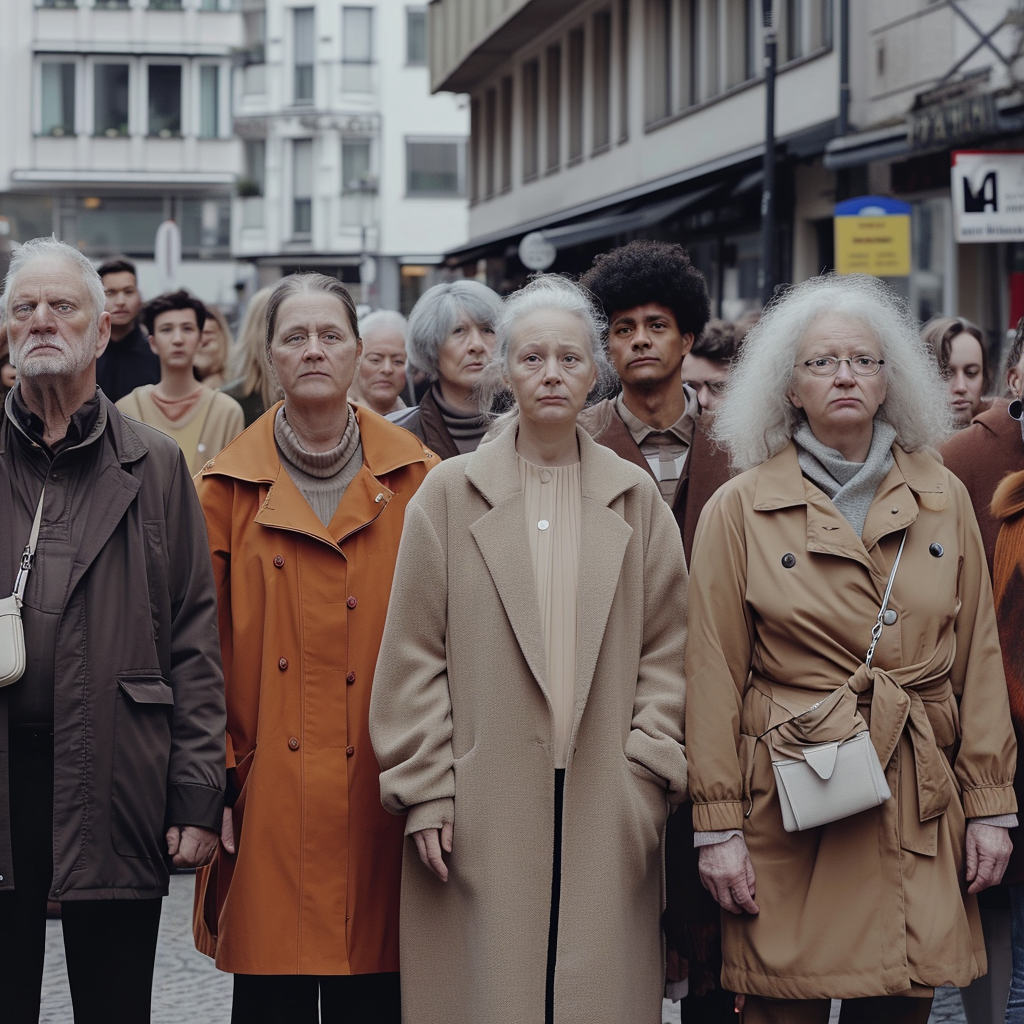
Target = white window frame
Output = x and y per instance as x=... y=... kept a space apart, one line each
x=145 y=63
x=461 y=143
x=89 y=94
x=223 y=99
x=37 y=101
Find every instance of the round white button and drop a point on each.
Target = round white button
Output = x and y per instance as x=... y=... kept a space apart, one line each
x=543 y=524
x=890 y=616
x=545 y=476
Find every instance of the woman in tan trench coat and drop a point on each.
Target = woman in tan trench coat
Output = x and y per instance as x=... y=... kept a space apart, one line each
x=833 y=405
x=304 y=513
x=533 y=654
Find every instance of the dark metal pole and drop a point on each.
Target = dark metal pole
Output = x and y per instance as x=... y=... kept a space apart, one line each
x=768 y=242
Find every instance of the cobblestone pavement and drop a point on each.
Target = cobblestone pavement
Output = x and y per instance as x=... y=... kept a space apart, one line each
x=187 y=988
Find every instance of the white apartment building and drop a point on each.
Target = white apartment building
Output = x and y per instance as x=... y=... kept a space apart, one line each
x=351 y=166
x=117 y=116
x=596 y=121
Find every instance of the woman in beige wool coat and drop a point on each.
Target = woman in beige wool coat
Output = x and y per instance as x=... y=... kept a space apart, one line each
x=528 y=702
x=832 y=408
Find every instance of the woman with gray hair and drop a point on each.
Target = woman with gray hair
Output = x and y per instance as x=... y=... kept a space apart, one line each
x=810 y=646
x=528 y=701
x=450 y=336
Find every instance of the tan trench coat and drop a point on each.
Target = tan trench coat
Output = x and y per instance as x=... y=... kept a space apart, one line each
x=314 y=886
x=461 y=723
x=873 y=903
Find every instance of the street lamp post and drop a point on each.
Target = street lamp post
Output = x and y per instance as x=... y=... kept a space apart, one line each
x=767 y=273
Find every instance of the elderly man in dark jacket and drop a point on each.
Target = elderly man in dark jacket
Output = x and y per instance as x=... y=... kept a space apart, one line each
x=112 y=742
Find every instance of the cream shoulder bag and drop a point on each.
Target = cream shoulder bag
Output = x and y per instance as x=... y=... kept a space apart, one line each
x=12 y=632
x=837 y=779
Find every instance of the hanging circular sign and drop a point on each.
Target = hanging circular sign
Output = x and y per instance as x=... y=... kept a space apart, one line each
x=536 y=252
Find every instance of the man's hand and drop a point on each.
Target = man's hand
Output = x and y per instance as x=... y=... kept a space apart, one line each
x=429 y=843
x=726 y=873
x=988 y=852
x=190 y=846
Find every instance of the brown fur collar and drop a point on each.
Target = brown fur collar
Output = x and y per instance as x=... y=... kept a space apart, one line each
x=1008 y=499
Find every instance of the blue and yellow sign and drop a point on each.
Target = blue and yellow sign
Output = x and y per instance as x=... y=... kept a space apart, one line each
x=872 y=236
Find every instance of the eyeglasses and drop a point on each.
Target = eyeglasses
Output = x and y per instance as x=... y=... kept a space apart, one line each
x=828 y=366
x=716 y=387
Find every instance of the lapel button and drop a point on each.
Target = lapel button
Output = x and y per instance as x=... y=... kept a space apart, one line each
x=788 y=560
x=935 y=550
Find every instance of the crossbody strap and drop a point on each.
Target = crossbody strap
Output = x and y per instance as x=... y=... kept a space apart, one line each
x=29 y=554
x=876 y=629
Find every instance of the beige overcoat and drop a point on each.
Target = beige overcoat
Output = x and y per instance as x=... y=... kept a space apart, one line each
x=460 y=720
x=784 y=598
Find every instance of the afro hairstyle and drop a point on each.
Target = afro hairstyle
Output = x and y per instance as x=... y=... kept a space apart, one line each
x=647 y=271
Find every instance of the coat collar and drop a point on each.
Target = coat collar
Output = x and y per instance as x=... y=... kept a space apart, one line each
x=500 y=534
x=252 y=457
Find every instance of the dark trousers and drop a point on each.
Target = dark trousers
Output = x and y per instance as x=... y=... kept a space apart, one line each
x=110 y=945
x=307 y=999
x=556 y=897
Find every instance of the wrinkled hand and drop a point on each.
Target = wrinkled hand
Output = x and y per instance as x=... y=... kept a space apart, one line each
x=190 y=846
x=227 y=830
x=988 y=852
x=726 y=873
x=429 y=844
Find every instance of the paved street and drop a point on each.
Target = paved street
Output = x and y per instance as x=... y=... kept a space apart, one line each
x=188 y=989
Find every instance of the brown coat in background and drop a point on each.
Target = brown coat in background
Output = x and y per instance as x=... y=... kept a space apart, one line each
x=314 y=886
x=784 y=596
x=462 y=726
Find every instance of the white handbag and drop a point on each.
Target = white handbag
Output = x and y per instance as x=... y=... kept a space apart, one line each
x=12 y=630
x=837 y=779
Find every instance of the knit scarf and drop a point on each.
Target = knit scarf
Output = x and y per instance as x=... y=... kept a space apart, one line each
x=321 y=477
x=466 y=428
x=850 y=485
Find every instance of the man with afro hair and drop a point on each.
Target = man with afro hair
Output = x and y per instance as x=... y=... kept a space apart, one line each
x=656 y=302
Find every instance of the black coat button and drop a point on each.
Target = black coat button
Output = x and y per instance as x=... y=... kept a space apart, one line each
x=936 y=550
x=788 y=560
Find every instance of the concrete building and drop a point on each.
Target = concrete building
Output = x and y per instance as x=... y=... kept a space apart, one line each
x=117 y=117
x=351 y=166
x=597 y=121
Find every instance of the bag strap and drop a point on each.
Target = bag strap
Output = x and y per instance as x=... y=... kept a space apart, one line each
x=876 y=629
x=29 y=554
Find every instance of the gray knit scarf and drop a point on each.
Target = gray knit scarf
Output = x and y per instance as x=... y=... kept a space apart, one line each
x=850 y=485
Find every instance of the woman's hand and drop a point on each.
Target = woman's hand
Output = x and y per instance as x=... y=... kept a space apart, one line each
x=726 y=873
x=429 y=844
x=227 y=830
x=988 y=852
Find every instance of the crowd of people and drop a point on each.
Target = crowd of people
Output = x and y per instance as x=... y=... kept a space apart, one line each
x=644 y=654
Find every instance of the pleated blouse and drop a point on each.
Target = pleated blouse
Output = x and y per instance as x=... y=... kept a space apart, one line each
x=552 y=496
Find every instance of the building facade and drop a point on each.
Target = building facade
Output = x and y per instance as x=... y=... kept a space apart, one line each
x=350 y=165
x=117 y=117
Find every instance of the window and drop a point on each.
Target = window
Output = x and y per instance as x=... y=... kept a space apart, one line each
x=302 y=187
x=623 y=70
x=602 y=74
x=531 y=119
x=209 y=101
x=751 y=39
x=415 y=36
x=357 y=49
x=165 y=5
x=303 y=43
x=55 y=3
x=475 y=129
x=793 y=32
x=255 y=168
x=58 y=99
x=164 y=82
x=112 y=4
x=434 y=167
x=576 y=44
x=553 y=106
x=110 y=92
x=659 y=59
x=209 y=5
x=205 y=226
x=490 y=139
x=694 y=53
x=355 y=166
x=506 y=133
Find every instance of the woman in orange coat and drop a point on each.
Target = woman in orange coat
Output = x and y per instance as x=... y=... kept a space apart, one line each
x=304 y=512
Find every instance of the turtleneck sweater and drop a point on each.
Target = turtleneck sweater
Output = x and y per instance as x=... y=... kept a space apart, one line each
x=321 y=477
x=466 y=428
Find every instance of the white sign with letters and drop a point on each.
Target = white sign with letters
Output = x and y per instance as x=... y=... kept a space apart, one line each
x=988 y=196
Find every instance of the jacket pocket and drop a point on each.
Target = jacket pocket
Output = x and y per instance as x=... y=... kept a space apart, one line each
x=144 y=703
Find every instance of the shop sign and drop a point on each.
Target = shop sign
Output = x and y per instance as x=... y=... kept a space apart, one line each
x=956 y=120
x=988 y=196
x=872 y=236
x=536 y=252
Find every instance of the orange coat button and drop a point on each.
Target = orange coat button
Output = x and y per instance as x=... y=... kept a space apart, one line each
x=293 y=743
x=350 y=678
x=350 y=751
x=282 y=664
x=279 y=560
x=351 y=602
